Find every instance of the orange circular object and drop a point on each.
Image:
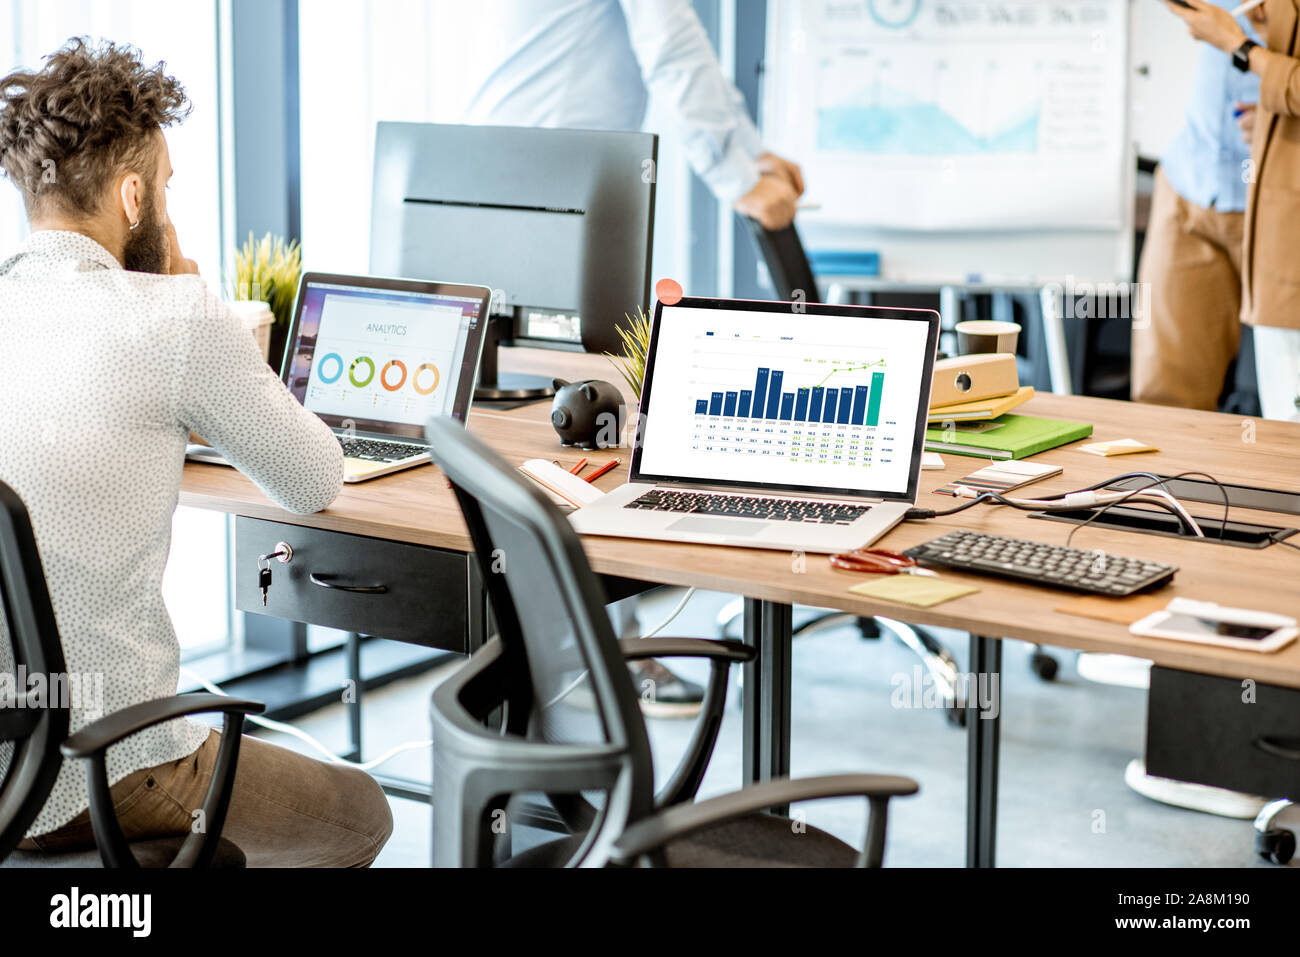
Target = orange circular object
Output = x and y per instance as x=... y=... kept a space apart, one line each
x=415 y=382
x=383 y=376
x=668 y=291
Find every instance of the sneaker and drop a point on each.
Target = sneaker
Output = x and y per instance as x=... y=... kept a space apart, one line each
x=662 y=693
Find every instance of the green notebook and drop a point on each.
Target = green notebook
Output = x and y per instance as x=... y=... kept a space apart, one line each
x=1006 y=437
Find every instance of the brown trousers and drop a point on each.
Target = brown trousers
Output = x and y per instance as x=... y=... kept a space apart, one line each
x=1191 y=263
x=287 y=810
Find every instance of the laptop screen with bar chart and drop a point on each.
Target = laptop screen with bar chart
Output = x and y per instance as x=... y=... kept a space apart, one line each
x=787 y=397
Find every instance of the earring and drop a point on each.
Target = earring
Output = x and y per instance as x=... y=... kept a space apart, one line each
x=134 y=225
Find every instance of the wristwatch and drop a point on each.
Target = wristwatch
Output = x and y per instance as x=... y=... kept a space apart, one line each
x=1241 y=57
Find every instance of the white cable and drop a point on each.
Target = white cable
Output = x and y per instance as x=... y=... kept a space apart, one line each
x=307 y=738
x=1089 y=499
x=675 y=612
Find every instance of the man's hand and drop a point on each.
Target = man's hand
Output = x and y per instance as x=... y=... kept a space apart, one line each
x=1246 y=121
x=774 y=165
x=177 y=264
x=1212 y=24
x=772 y=202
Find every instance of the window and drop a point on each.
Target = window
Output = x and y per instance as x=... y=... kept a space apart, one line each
x=183 y=35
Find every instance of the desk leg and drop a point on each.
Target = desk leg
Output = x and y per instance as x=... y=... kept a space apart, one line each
x=982 y=737
x=768 y=628
x=352 y=648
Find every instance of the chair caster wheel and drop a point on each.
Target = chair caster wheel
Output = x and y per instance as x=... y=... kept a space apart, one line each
x=1044 y=665
x=1275 y=845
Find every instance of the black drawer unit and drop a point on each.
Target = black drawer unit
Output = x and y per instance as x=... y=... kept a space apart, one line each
x=1204 y=729
x=368 y=585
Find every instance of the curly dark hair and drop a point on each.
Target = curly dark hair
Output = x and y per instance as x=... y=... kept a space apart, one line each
x=89 y=115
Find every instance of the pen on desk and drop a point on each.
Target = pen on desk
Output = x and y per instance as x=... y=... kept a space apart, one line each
x=612 y=463
x=582 y=464
x=1245 y=7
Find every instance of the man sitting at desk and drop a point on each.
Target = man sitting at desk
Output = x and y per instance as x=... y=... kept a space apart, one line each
x=114 y=350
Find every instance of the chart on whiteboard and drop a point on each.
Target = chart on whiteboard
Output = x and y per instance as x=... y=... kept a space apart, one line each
x=921 y=114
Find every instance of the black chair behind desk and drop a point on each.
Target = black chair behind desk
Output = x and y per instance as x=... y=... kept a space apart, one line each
x=793 y=279
x=33 y=732
x=570 y=725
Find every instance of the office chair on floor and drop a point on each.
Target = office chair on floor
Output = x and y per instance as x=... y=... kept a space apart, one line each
x=556 y=679
x=34 y=741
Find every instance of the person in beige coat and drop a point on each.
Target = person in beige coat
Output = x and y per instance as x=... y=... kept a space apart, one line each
x=1271 y=246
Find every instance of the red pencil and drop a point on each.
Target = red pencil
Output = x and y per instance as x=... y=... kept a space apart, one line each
x=613 y=463
x=579 y=467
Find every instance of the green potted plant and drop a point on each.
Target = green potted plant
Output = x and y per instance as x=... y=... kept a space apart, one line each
x=267 y=271
x=636 y=345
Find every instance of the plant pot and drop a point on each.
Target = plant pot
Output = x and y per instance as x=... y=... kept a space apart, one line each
x=257 y=318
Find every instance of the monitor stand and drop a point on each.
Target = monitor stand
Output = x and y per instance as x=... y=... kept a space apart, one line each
x=495 y=386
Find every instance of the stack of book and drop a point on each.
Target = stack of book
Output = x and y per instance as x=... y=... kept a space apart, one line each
x=985 y=427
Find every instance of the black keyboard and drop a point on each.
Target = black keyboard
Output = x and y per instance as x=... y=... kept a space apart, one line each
x=1074 y=569
x=750 y=506
x=377 y=451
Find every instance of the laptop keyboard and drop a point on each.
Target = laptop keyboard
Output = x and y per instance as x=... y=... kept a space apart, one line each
x=376 y=451
x=749 y=506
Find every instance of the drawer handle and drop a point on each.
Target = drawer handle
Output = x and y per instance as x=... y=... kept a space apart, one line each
x=324 y=582
x=1277 y=749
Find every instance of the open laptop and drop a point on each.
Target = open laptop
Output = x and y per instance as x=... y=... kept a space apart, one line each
x=375 y=358
x=775 y=425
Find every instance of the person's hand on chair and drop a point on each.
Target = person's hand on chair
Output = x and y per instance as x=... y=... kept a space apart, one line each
x=771 y=202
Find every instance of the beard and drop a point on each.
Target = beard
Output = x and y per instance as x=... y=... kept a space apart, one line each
x=146 y=245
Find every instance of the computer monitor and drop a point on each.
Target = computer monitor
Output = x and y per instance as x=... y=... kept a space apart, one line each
x=558 y=223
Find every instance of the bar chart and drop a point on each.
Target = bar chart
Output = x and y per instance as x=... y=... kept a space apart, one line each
x=849 y=405
x=785 y=399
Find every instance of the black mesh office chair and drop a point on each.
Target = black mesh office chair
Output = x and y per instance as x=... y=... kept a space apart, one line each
x=570 y=727
x=33 y=734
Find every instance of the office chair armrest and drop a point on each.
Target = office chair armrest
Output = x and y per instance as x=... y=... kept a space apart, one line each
x=728 y=651
x=685 y=781
x=112 y=728
x=653 y=833
x=92 y=743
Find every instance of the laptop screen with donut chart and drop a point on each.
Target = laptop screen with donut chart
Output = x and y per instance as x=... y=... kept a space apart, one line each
x=381 y=358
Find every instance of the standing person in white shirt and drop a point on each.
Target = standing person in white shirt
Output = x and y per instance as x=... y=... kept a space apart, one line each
x=113 y=351
x=592 y=64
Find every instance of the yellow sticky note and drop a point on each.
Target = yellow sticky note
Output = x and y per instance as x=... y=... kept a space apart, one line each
x=913 y=590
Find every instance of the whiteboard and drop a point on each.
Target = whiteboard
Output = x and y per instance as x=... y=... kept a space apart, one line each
x=968 y=141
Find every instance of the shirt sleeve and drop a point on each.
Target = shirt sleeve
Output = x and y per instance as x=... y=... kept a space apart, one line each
x=230 y=396
x=678 y=65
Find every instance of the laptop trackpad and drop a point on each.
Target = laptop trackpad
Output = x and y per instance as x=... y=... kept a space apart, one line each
x=703 y=525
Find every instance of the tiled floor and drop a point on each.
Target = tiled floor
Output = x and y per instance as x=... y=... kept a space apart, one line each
x=1064 y=749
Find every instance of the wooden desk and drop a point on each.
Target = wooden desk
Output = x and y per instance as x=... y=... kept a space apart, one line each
x=417 y=508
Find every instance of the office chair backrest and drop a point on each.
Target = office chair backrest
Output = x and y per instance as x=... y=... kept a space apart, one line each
x=31 y=727
x=549 y=609
x=787 y=263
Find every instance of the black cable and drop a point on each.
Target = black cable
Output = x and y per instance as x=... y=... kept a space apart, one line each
x=1133 y=495
x=1155 y=480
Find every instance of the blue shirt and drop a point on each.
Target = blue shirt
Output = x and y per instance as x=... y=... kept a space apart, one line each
x=1205 y=163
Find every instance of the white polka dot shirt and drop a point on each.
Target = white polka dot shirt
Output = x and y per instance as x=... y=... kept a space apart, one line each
x=104 y=374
